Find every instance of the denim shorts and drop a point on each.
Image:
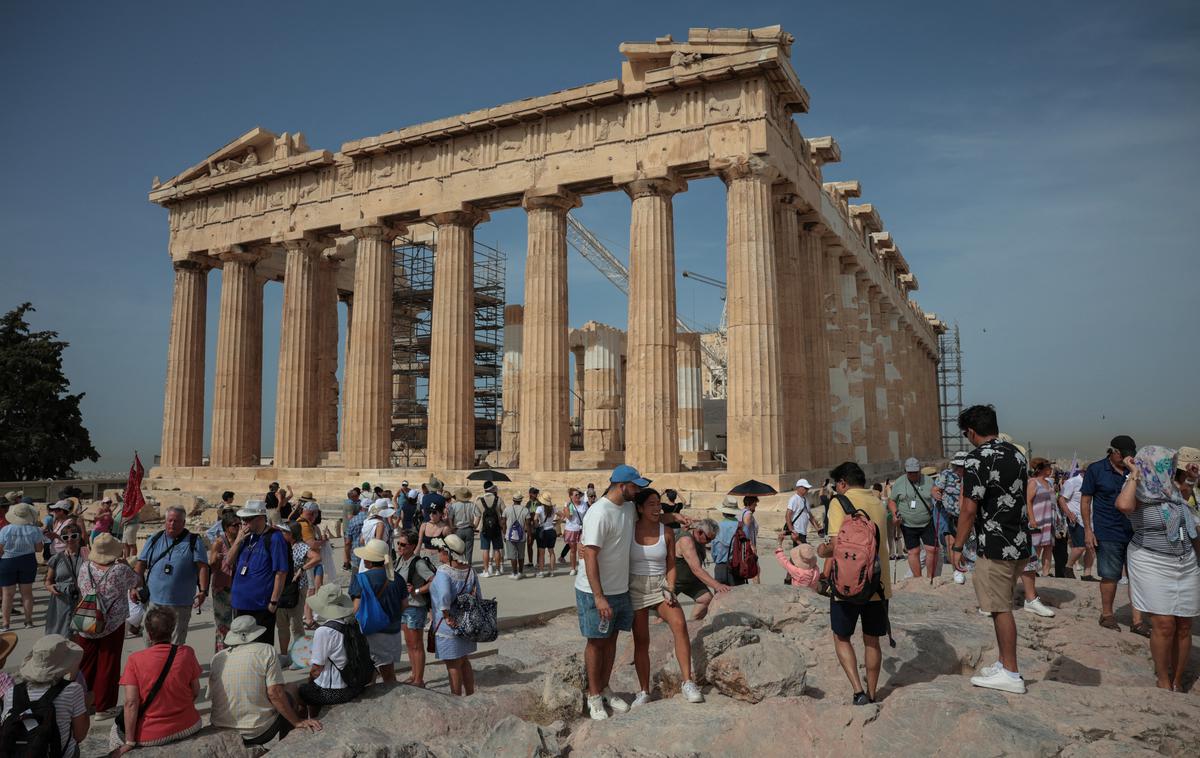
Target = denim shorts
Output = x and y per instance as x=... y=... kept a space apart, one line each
x=1076 y=534
x=589 y=617
x=1110 y=559
x=19 y=570
x=414 y=617
x=487 y=542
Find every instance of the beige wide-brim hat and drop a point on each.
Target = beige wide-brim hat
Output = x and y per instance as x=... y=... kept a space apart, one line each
x=105 y=549
x=463 y=494
x=306 y=496
x=8 y=643
x=730 y=506
x=331 y=602
x=22 y=514
x=545 y=499
x=375 y=551
x=52 y=658
x=1187 y=456
x=243 y=630
x=451 y=543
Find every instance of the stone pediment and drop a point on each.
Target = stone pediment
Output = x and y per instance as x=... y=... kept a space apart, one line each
x=247 y=155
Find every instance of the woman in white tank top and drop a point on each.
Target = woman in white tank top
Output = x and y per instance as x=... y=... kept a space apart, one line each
x=651 y=579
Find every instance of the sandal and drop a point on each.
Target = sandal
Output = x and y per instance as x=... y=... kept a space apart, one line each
x=1110 y=622
x=1141 y=628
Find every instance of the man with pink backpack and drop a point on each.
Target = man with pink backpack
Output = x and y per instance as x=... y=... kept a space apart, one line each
x=856 y=576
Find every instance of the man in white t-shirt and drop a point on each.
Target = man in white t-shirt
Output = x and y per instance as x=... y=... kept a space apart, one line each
x=1069 y=504
x=602 y=588
x=798 y=514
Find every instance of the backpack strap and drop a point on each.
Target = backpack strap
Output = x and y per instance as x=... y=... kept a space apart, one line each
x=847 y=506
x=158 y=683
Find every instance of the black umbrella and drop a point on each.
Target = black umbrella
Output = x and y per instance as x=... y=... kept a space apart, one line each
x=753 y=487
x=488 y=475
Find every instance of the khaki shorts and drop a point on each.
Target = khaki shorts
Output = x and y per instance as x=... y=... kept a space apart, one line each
x=646 y=591
x=129 y=534
x=995 y=582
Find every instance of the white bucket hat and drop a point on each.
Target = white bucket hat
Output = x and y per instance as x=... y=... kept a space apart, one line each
x=253 y=508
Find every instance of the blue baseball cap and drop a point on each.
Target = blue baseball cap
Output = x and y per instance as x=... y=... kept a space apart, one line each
x=628 y=475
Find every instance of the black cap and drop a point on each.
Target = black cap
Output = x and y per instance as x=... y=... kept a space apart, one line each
x=1124 y=444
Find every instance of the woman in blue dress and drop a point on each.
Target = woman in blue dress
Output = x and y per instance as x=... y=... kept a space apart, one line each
x=454 y=577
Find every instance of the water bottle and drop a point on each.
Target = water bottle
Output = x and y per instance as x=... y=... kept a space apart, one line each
x=603 y=627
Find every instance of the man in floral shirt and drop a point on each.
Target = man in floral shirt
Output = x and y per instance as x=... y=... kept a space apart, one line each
x=995 y=475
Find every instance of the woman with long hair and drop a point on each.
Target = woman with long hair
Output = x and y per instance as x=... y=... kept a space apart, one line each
x=1039 y=504
x=651 y=586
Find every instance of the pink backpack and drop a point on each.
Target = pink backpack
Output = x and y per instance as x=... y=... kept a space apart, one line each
x=853 y=573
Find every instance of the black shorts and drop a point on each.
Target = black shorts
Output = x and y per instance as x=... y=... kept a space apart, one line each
x=915 y=535
x=546 y=538
x=843 y=617
x=693 y=588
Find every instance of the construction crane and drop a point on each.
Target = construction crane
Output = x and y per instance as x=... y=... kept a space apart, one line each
x=718 y=347
x=587 y=244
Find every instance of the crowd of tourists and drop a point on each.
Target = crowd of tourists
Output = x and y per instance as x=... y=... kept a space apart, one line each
x=414 y=588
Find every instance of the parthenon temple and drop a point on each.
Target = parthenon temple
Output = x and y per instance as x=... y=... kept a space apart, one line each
x=827 y=356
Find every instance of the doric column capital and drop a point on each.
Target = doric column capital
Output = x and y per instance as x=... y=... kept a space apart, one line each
x=643 y=184
x=374 y=229
x=469 y=216
x=555 y=198
x=199 y=265
x=744 y=167
x=240 y=254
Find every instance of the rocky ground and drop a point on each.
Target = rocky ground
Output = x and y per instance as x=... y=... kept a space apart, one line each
x=774 y=687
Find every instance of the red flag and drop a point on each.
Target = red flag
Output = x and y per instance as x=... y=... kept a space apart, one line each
x=134 y=501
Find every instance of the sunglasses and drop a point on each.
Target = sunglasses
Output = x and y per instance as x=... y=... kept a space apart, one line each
x=70 y=536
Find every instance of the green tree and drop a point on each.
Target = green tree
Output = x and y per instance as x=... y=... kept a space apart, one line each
x=41 y=429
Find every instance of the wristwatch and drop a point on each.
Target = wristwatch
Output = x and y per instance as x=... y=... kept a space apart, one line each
x=955 y=549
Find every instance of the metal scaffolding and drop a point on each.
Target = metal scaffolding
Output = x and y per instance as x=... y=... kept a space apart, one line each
x=412 y=324
x=950 y=390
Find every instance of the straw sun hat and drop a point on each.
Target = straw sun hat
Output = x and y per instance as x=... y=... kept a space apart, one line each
x=53 y=657
x=105 y=550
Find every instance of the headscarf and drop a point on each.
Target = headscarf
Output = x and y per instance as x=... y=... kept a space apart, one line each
x=1156 y=486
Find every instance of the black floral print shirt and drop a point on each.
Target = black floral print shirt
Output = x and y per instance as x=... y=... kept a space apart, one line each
x=995 y=477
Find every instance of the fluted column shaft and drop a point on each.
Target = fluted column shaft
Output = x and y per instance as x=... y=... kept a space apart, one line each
x=327 y=352
x=651 y=433
x=835 y=345
x=689 y=392
x=510 y=378
x=879 y=398
x=451 y=443
x=797 y=398
x=851 y=328
x=755 y=402
x=237 y=337
x=545 y=433
x=866 y=347
x=296 y=387
x=183 y=403
x=904 y=361
x=815 y=362
x=891 y=375
x=602 y=401
x=348 y=299
x=577 y=403
x=368 y=429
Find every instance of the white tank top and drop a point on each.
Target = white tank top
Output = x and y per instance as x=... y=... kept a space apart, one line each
x=649 y=560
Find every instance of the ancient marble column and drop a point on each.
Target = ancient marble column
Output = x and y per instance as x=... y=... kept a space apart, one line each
x=296 y=386
x=852 y=328
x=348 y=299
x=451 y=440
x=183 y=404
x=602 y=401
x=880 y=450
x=690 y=397
x=755 y=401
x=545 y=432
x=253 y=427
x=510 y=378
x=891 y=374
x=327 y=352
x=651 y=434
x=904 y=370
x=368 y=376
x=815 y=362
x=577 y=404
x=835 y=346
x=797 y=398
x=866 y=347
x=233 y=382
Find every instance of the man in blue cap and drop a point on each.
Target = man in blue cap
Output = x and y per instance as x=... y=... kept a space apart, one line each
x=602 y=588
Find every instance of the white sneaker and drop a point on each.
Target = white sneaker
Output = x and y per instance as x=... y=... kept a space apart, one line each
x=573 y=572
x=596 y=707
x=549 y=573
x=989 y=670
x=487 y=572
x=1124 y=581
x=692 y=692
x=518 y=576
x=541 y=574
x=982 y=612
x=617 y=704
x=642 y=698
x=1000 y=680
x=1036 y=606
x=960 y=577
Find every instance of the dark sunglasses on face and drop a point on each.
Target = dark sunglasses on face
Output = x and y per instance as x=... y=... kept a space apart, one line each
x=70 y=536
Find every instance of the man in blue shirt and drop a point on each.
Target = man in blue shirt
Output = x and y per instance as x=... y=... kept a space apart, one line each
x=259 y=561
x=730 y=511
x=1106 y=529
x=173 y=564
x=351 y=532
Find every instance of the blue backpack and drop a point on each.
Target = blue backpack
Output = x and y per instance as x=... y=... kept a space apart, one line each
x=370 y=614
x=516 y=532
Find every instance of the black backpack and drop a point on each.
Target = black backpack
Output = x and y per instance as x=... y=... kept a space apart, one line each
x=360 y=670
x=43 y=741
x=491 y=516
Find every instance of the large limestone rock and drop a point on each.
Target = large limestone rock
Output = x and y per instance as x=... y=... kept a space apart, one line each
x=752 y=673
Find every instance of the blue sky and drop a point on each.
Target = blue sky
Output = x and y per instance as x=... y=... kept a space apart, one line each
x=1036 y=162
